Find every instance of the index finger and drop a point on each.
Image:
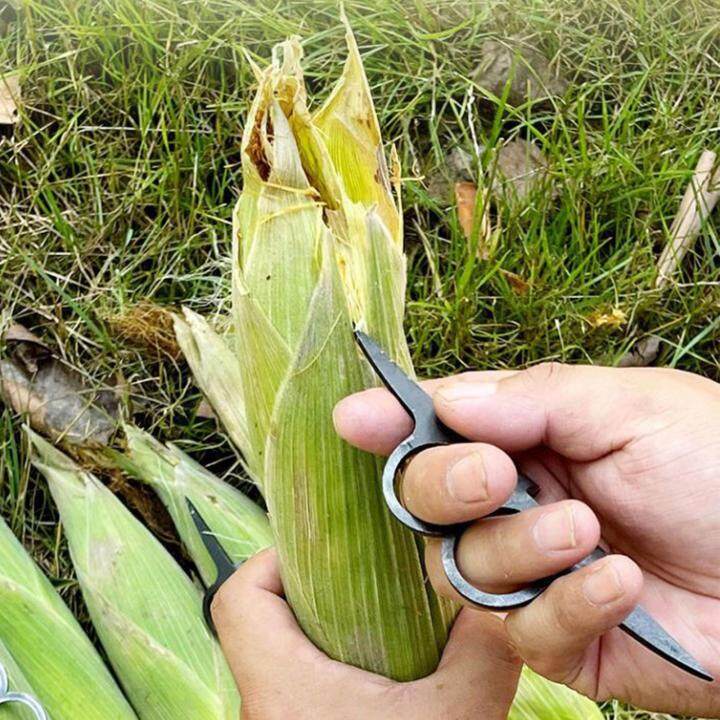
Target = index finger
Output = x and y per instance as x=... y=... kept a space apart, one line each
x=374 y=421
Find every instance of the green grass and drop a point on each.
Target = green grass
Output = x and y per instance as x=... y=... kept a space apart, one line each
x=118 y=184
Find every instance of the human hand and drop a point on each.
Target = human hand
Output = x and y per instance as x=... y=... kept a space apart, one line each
x=641 y=447
x=281 y=674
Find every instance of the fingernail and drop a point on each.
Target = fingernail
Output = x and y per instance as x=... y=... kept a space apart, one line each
x=556 y=530
x=345 y=410
x=603 y=586
x=457 y=391
x=466 y=481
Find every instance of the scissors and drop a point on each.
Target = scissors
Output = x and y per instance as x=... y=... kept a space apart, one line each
x=223 y=564
x=429 y=432
x=20 y=698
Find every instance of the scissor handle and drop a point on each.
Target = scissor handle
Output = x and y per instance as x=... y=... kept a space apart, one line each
x=521 y=499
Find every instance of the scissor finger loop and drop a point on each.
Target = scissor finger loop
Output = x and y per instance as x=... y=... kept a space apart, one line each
x=473 y=594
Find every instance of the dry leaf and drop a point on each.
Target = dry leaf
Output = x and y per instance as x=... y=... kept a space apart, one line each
x=614 y=319
x=518 y=284
x=9 y=99
x=466 y=199
x=518 y=167
x=528 y=72
x=643 y=354
x=54 y=397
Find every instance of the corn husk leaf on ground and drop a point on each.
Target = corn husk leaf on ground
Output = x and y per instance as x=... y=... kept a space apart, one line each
x=239 y=524
x=317 y=248
x=43 y=647
x=147 y=612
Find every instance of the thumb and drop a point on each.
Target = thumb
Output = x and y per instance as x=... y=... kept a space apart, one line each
x=581 y=412
x=256 y=627
x=478 y=672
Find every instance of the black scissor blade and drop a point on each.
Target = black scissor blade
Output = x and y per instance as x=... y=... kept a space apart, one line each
x=640 y=625
x=223 y=563
x=408 y=393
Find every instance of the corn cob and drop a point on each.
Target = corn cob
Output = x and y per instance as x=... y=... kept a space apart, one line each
x=43 y=648
x=240 y=525
x=146 y=611
x=318 y=248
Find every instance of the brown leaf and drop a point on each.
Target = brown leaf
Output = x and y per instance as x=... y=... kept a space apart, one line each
x=9 y=99
x=642 y=354
x=54 y=397
x=518 y=284
x=528 y=72
x=466 y=199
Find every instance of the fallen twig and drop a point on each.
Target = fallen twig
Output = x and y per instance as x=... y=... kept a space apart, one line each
x=701 y=196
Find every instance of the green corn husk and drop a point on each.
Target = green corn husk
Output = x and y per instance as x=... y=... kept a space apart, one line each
x=240 y=525
x=44 y=650
x=147 y=612
x=318 y=248
x=17 y=682
x=539 y=699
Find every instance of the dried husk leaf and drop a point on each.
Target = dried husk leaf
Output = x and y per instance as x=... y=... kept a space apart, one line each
x=53 y=397
x=349 y=126
x=217 y=373
x=147 y=612
x=43 y=647
x=240 y=525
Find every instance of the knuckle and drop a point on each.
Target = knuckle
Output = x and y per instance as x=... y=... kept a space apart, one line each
x=228 y=595
x=544 y=372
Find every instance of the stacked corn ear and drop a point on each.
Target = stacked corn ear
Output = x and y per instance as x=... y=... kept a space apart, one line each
x=147 y=612
x=44 y=650
x=16 y=683
x=237 y=522
x=540 y=699
x=318 y=249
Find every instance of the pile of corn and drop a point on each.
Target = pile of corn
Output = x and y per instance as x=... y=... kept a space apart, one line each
x=317 y=249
